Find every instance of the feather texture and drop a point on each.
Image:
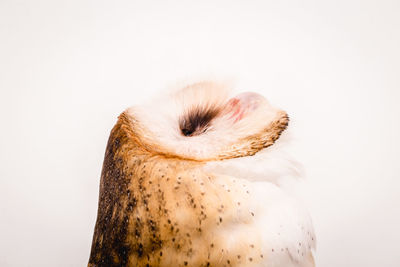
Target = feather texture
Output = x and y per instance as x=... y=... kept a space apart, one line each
x=182 y=185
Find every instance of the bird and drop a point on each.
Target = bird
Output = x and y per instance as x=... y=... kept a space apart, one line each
x=193 y=177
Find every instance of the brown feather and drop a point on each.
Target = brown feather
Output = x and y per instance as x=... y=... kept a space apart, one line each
x=156 y=210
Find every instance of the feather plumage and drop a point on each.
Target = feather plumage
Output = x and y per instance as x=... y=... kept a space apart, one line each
x=176 y=188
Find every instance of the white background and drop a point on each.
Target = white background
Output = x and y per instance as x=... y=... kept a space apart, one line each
x=68 y=68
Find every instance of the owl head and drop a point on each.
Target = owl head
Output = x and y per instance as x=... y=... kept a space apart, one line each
x=203 y=122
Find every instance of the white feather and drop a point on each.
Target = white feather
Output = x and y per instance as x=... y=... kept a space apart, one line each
x=160 y=119
x=284 y=224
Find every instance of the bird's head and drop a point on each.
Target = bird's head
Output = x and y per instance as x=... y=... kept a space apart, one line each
x=201 y=122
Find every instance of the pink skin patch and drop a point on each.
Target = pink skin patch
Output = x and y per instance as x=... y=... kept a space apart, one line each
x=243 y=104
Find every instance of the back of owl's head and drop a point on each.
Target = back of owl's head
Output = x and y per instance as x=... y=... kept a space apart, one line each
x=201 y=122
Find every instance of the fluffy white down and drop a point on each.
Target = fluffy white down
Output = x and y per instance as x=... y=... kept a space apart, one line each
x=282 y=221
x=160 y=118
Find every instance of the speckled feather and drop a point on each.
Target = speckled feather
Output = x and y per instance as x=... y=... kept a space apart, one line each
x=159 y=207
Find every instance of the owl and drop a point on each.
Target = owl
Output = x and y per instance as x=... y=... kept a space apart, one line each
x=194 y=178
